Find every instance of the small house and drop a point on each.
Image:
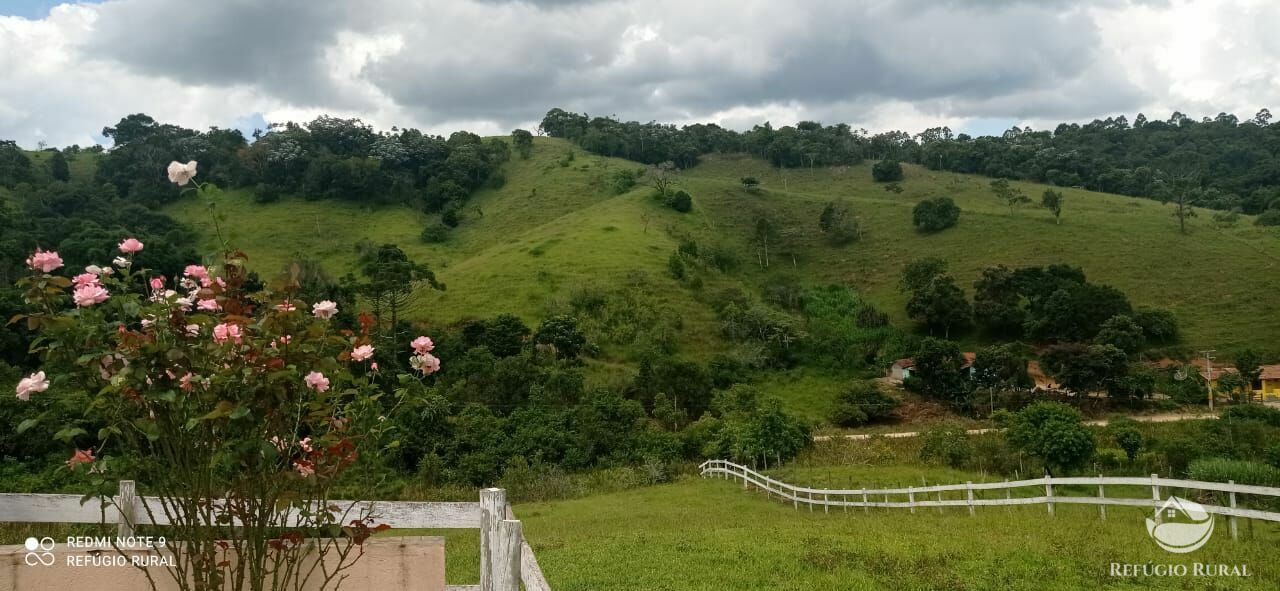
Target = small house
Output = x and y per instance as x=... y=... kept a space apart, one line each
x=903 y=368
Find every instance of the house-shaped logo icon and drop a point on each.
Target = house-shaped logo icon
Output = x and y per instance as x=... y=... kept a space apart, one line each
x=1180 y=525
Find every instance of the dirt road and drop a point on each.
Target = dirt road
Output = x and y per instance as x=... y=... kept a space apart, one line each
x=1160 y=418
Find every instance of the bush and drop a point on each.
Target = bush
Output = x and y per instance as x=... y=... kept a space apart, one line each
x=947 y=444
x=862 y=403
x=886 y=171
x=1053 y=432
x=935 y=215
x=1110 y=458
x=681 y=202
x=1158 y=326
x=1127 y=437
x=1121 y=332
x=435 y=233
x=623 y=180
x=1268 y=218
x=1254 y=412
x=1241 y=471
x=676 y=266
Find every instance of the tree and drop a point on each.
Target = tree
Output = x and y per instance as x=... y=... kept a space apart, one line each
x=861 y=403
x=58 y=168
x=766 y=232
x=1001 y=367
x=562 y=332
x=1184 y=196
x=997 y=301
x=917 y=273
x=392 y=278
x=750 y=183
x=1085 y=368
x=1125 y=433
x=662 y=177
x=838 y=224
x=940 y=372
x=1053 y=432
x=940 y=305
x=935 y=215
x=1008 y=194
x=523 y=141
x=886 y=171
x=1122 y=333
x=1052 y=201
x=1249 y=364
x=1158 y=326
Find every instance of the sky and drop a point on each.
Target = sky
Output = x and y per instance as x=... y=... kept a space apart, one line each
x=68 y=69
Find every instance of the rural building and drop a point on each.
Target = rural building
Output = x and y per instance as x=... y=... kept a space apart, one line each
x=1266 y=387
x=902 y=368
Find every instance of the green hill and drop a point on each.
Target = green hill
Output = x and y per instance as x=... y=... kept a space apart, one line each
x=555 y=227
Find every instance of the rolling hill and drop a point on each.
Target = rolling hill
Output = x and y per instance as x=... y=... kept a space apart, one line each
x=555 y=227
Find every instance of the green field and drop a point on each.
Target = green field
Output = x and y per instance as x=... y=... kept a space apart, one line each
x=709 y=535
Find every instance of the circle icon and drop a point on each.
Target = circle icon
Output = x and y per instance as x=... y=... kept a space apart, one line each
x=32 y=544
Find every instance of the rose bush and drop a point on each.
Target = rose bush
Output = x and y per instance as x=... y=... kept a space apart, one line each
x=238 y=410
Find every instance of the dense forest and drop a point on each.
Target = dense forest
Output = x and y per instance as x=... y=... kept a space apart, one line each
x=1221 y=163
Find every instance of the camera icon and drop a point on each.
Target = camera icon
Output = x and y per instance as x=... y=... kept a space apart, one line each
x=40 y=551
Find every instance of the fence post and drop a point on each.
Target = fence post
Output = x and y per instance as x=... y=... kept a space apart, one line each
x=1048 y=491
x=493 y=508
x=969 y=487
x=1102 y=494
x=911 y=498
x=1008 y=495
x=1235 y=535
x=1155 y=488
x=866 y=506
x=810 y=503
x=505 y=548
x=125 y=503
x=826 y=503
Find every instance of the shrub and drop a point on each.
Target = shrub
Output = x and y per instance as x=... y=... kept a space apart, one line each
x=870 y=317
x=1255 y=412
x=561 y=332
x=1127 y=437
x=947 y=444
x=935 y=215
x=750 y=183
x=680 y=201
x=676 y=266
x=435 y=233
x=623 y=180
x=862 y=403
x=1053 y=432
x=1241 y=471
x=1110 y=458
x=886 y=171
x=1121 y=332
x=1268 y=218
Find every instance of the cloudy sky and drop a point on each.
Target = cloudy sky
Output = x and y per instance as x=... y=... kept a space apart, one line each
x=68 y=69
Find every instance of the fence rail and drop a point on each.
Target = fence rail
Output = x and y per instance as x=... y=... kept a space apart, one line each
x=506 y=559
x=862 y=497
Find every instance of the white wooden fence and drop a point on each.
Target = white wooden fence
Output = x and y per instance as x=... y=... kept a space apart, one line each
x=913 y=497
x=506 y=559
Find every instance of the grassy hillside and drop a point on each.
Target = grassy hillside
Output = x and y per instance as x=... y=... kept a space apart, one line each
x=710 y=534
x=554 y=228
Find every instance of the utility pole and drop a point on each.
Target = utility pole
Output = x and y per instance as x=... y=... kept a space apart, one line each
x=1208 y=368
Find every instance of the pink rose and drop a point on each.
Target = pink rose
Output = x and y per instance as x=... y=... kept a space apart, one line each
x=193 y=330
x=305 y=444
x=304 y=467
x=425 y=363
x=362 y=353
x=196 y=271
x=325 y=309
x=316 y=381
x=225 y=331
x=210 y=305
x=32 y=384
x=130 y=246
x=44 y=261
x=85 y=279
x=82 y=456
x=422 y=345
x=181 y=173
x=285 y=307
x=88 y=295
x=185 y=382
x=157 y=283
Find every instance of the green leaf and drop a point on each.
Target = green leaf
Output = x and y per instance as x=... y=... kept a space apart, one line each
x=240 y=412
x=27 y=424
x=69 y=433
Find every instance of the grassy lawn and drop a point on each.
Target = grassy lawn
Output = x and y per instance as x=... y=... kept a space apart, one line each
x=709 y=534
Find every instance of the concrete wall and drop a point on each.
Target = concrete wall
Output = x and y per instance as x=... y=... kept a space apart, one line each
x=389 y=563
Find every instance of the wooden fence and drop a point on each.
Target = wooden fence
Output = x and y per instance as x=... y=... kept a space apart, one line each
x=913 y=497
x=506 y=559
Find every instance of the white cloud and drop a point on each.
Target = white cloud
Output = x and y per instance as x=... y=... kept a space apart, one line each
x=490 y=66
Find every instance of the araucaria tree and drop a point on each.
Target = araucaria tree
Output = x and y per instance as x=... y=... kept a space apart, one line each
x=236 y=408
